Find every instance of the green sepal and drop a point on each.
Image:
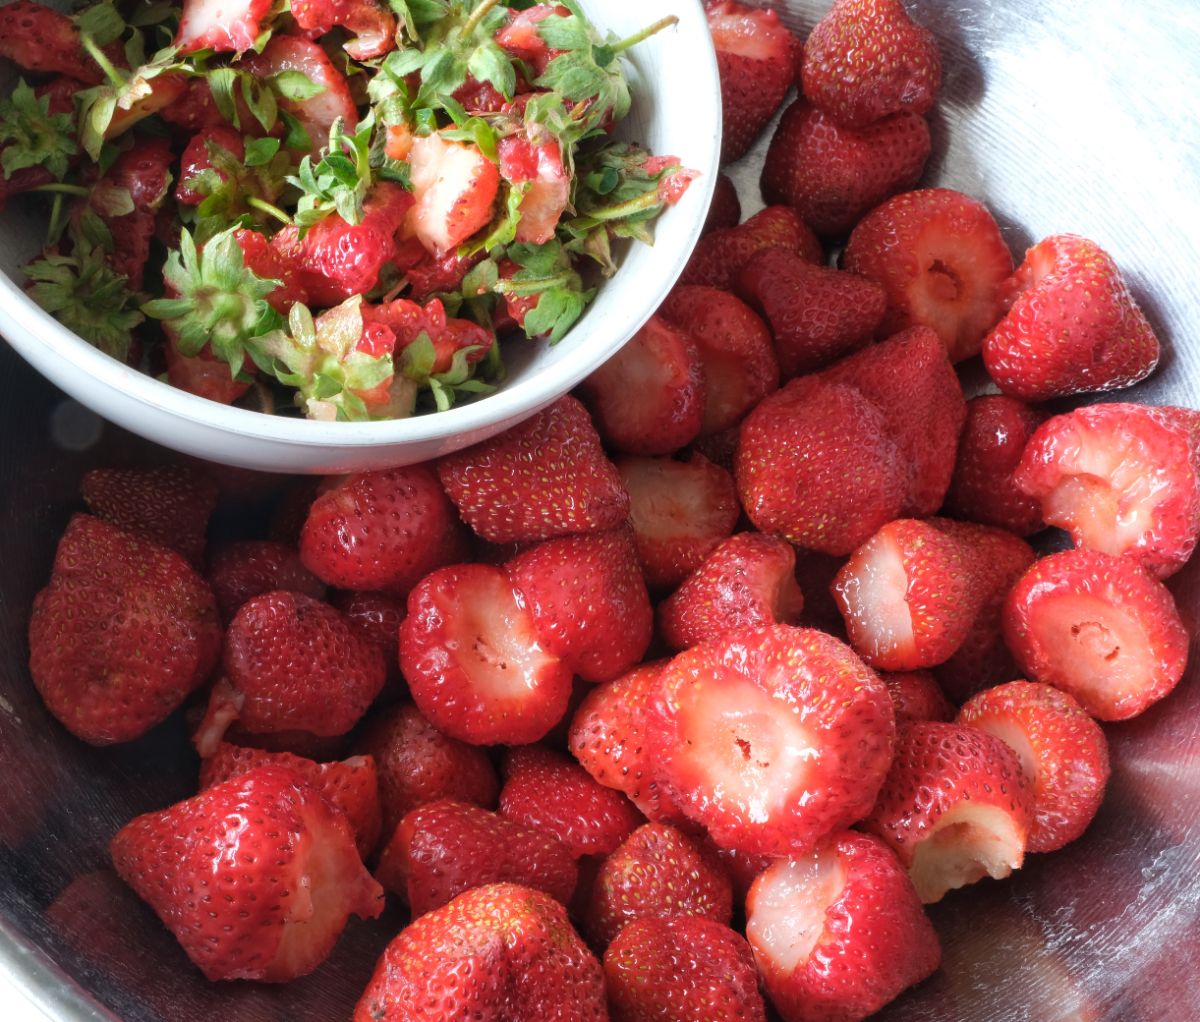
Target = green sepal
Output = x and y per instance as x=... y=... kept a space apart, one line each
x=32 y=136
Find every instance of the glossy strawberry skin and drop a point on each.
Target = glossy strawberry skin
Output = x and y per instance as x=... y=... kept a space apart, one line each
x=725 y=210
x=243 y=569
x=916 y=695
x=230 y=29
x=145 y=172
x=197 y=158
x=39 y=38
x=720 y=255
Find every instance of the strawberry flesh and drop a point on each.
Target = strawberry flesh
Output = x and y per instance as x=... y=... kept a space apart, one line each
x=454 y=186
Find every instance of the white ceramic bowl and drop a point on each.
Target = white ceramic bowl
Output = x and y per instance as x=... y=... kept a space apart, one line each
x=676 y=111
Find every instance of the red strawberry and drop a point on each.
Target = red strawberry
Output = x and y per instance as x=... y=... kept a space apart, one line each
x=197 y=158
x=544 y=477
x=551 y=793
x=657 y=873
x=910 y=380
x=1121 y=478
x=496 y=952
x=38 y=38
x=377 y=617
x=522 y=39
x=771 y=738
x=955 y=807
x=255 y=877
x=548 y=192
x=719 y=448
x=122 y=633
x=372 y=25
x=756 y=55
x=725 y=210
x=418 y=764
x=454 y=186
x=203 y=374
x=1063 y=755
x=470 y=654
x=816 y=464
x=1099 y=628
x=832 y=175
x=680 y=511
x=839 y=932
x=867 y=59
x=743 y=869
x=247 y=568
x=916 y=695
x=588 y=601
x=649 y=397
x=267 y=261
x=443 y=848
x=941 y=260
x=720 y=255
x=1072 y=325
x=660 y=970
x=749 y=581
x=350 y=786
x=737 y=360
x=983 y=488
x=223 y=27
x=816 y=314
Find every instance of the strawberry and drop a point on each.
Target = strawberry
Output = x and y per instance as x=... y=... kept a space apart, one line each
x=832 y=175
x=122 y=633
x=170 y=505
x=470 y=654
x=1072 y=325
x=454 y=186
x=725 y=210
x=194 y=109
x=816 y=464
x=381 y=530
x=771 y=738
x=719 y=448
x=680 y=511
x=496 y=952
x=243 y=569
x=720 y=255
x=550 y=792
x=544 y=477
x=955 y=807
x=755 y=58
x=658 y=872
x=197 y=158
x=521 y=37
x=418 y=764
x=219 y=26
x=737 y=360
x=266 y=260
x=588 y=601
x=292 y=663
x=255 y=877
x=373 y=27
x=983 y=488
x=443 y=848
x=941 y=259
x=743 y=870
x=351 y=786
x=38 y=38
x=910 y=380
x=540 y=168
x=376 y=617
x=429 y=276
x=660 y=970
x=1121 y=478
x=916 y=695
x=816 y=314
x=839 y=932
x=204 y=374
x=1099 y=628
x=1063 y=755
x=748 y=581
x=649 y=397
x=867 y=59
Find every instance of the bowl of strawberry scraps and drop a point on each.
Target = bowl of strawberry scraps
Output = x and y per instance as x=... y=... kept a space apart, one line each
x=338 y=238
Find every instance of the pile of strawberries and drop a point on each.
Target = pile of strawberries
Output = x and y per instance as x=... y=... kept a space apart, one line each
x=749 y=633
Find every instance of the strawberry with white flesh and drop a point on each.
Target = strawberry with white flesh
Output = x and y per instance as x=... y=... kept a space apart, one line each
x=547 y=476
x=255 y=877
x=550 y=792
x=756 y=57
x=771 y=738
x=1098 y=627
x=1121 y=478
x=942 y=261
x=649 y=397
x=470 y=653
x=536 y=168
x=224 y=26
x=680 y=511
x=1063 y=754
x=955 y=807
x=443 y=848
x=122 y=634
x=245 y=568
x=839 y=932
x=454 y=187
x=497 y=952
x=690 y=968
x=658 y=872
x=737 y=358
x=867 y=59
x=588 y=601
x=720 y=255
x=38 y=38
x=350 y=786
x=916 y=695
x=748 y=581
x=1072 y=325
x=372 y=26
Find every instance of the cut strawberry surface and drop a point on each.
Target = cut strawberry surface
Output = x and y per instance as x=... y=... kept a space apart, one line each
x=373 y=27
x=225 y=26
x=316 y=113
x=547 y=186
x=454 y=186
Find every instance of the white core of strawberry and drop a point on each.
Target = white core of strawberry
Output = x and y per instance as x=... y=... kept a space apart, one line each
x=967 y=843
x=876 y=599
x=787 y=909
x=1015 y=737
x=743 y=35
x=444 y=174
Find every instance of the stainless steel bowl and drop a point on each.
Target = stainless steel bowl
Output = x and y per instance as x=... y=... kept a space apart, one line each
x=1062 y=116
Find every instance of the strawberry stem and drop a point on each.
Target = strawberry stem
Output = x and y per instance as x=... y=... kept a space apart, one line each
x=477 y=16
x=273 y=211
x=645 y=33
x=99 y=56
x=63 y=189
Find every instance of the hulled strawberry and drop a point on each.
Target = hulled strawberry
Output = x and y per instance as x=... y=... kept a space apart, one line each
x=243 y=569
x=916 y=695
x=720 y=255
x=221 y=27
x=454 y=186
x=372 y=25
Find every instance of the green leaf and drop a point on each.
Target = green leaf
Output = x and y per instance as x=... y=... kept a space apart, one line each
x=489 y=63
x=297 y=136
x=221 y=83
x=295 y=85
x=33 y=137
x=101 y=22
x=260 y=151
